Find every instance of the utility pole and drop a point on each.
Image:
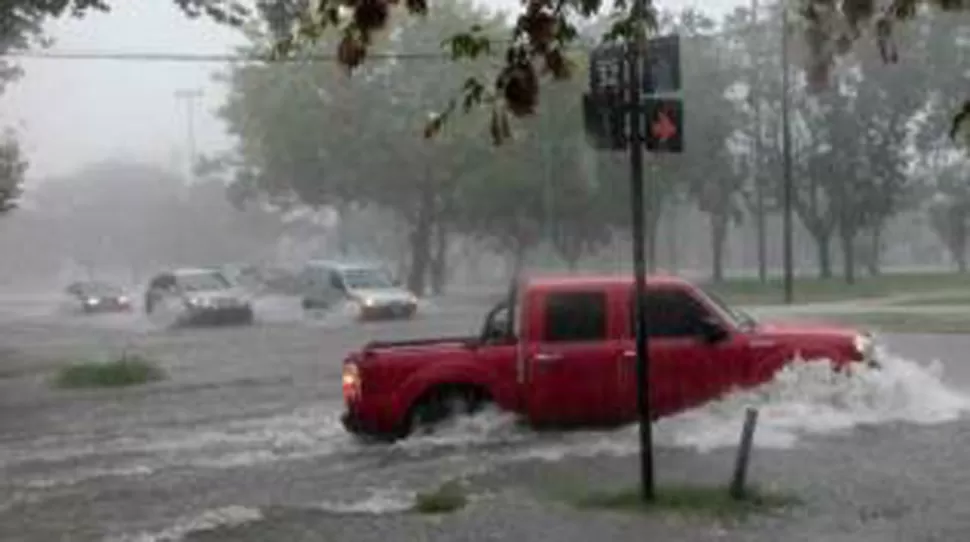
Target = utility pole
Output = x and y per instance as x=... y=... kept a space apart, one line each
x=547 y=187
x=786 y=155
x=639 y=265
x=189 y=96
x=759 y=185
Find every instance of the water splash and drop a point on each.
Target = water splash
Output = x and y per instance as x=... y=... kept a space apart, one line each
x=490 y=426
x=803 y=399
x=228 y=516
x=378 y=501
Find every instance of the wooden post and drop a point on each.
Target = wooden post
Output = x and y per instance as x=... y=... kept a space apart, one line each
x=744 y=454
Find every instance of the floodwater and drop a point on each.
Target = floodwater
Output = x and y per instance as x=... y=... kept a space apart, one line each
x=248 y=424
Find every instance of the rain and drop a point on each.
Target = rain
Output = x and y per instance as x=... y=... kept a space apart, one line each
x=245 y=268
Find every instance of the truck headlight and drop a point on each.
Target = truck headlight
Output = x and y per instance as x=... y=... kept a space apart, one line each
x=865 y=346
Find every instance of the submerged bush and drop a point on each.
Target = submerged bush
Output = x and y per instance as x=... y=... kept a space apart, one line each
x=129 y=370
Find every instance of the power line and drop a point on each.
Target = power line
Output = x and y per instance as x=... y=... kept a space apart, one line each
x=136 y=56
x=210 y=58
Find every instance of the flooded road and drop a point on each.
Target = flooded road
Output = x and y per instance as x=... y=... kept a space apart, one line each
x=246 y=430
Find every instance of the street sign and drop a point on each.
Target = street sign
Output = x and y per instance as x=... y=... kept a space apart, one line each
x=664 y=129
x=661 y=73
x=606 y=70
x=659 y=67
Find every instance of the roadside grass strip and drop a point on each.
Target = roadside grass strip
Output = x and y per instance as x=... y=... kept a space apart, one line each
x=448 y=497
x=128 y=370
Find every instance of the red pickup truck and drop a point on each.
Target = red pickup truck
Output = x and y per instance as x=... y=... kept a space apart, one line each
x=559 y=351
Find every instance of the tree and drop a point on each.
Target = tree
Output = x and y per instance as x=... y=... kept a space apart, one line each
x=543 y=30
x=326 y=140
x=710 y=169
x=948 y=208
x=13 y=168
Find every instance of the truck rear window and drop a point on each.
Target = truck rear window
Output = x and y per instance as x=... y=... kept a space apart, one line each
x=575 y=316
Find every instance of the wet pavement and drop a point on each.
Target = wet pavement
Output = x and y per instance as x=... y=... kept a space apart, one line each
x=245 y=431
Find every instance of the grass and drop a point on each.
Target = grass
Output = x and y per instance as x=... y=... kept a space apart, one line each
x=750 y=291
x=953 y=299
x=446 y=498
x=129 y=370
x=713 y=502
x=903 y=322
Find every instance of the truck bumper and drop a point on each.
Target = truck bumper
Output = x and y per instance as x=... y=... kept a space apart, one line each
x=351 y=424
x=388 y=312
x=357 y=427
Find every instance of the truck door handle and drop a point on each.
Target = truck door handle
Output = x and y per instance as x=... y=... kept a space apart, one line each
x=547 y=357
x=630 y=354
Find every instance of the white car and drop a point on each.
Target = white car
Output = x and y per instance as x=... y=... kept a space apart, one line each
x=369 y=289
x=197 y=297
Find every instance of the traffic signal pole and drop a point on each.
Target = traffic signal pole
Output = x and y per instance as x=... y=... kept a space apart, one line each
x=635 y=143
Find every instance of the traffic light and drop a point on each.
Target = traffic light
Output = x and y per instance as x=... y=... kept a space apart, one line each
x=664 y=129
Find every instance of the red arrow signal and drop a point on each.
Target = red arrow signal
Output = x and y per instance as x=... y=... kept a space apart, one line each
x=665 y=128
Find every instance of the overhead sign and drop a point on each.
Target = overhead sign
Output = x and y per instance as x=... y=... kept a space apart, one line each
x=664 y=125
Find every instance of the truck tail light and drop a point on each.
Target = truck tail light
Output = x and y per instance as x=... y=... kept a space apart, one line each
x=351 y=382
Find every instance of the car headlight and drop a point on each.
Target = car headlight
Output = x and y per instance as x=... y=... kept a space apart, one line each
x=92 y=301
x=412 y=299
x=367 y=302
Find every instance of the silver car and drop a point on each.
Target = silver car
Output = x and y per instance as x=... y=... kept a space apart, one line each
x=368 y=288
x=197 y=297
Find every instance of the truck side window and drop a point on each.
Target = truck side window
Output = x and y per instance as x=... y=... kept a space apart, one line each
x=670 y=313
x=575 y=316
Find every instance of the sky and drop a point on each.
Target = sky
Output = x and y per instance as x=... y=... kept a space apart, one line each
x=74 y=112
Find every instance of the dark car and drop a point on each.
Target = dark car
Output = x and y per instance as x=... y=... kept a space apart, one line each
x=97 y=296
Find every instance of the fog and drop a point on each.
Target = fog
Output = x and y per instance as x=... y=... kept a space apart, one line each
x=108 y=191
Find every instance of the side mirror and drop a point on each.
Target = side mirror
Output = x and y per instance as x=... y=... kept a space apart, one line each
x=493 y=333
x=711 y=331
x=496 y=325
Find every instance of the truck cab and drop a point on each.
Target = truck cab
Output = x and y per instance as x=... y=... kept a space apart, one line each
x=559 y=351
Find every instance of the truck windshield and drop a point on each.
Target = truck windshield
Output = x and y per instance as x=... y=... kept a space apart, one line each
x=738 y=317
x=365 y=278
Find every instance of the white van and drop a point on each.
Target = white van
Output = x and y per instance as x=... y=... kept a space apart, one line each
x=326 y=284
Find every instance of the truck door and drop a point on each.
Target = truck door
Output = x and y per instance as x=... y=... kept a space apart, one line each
x=572 y=360
x=685 y=371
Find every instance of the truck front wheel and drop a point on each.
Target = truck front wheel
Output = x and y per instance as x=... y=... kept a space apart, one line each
x=443 y=404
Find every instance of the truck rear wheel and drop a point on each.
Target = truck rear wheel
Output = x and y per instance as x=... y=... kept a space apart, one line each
x=443 y=404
